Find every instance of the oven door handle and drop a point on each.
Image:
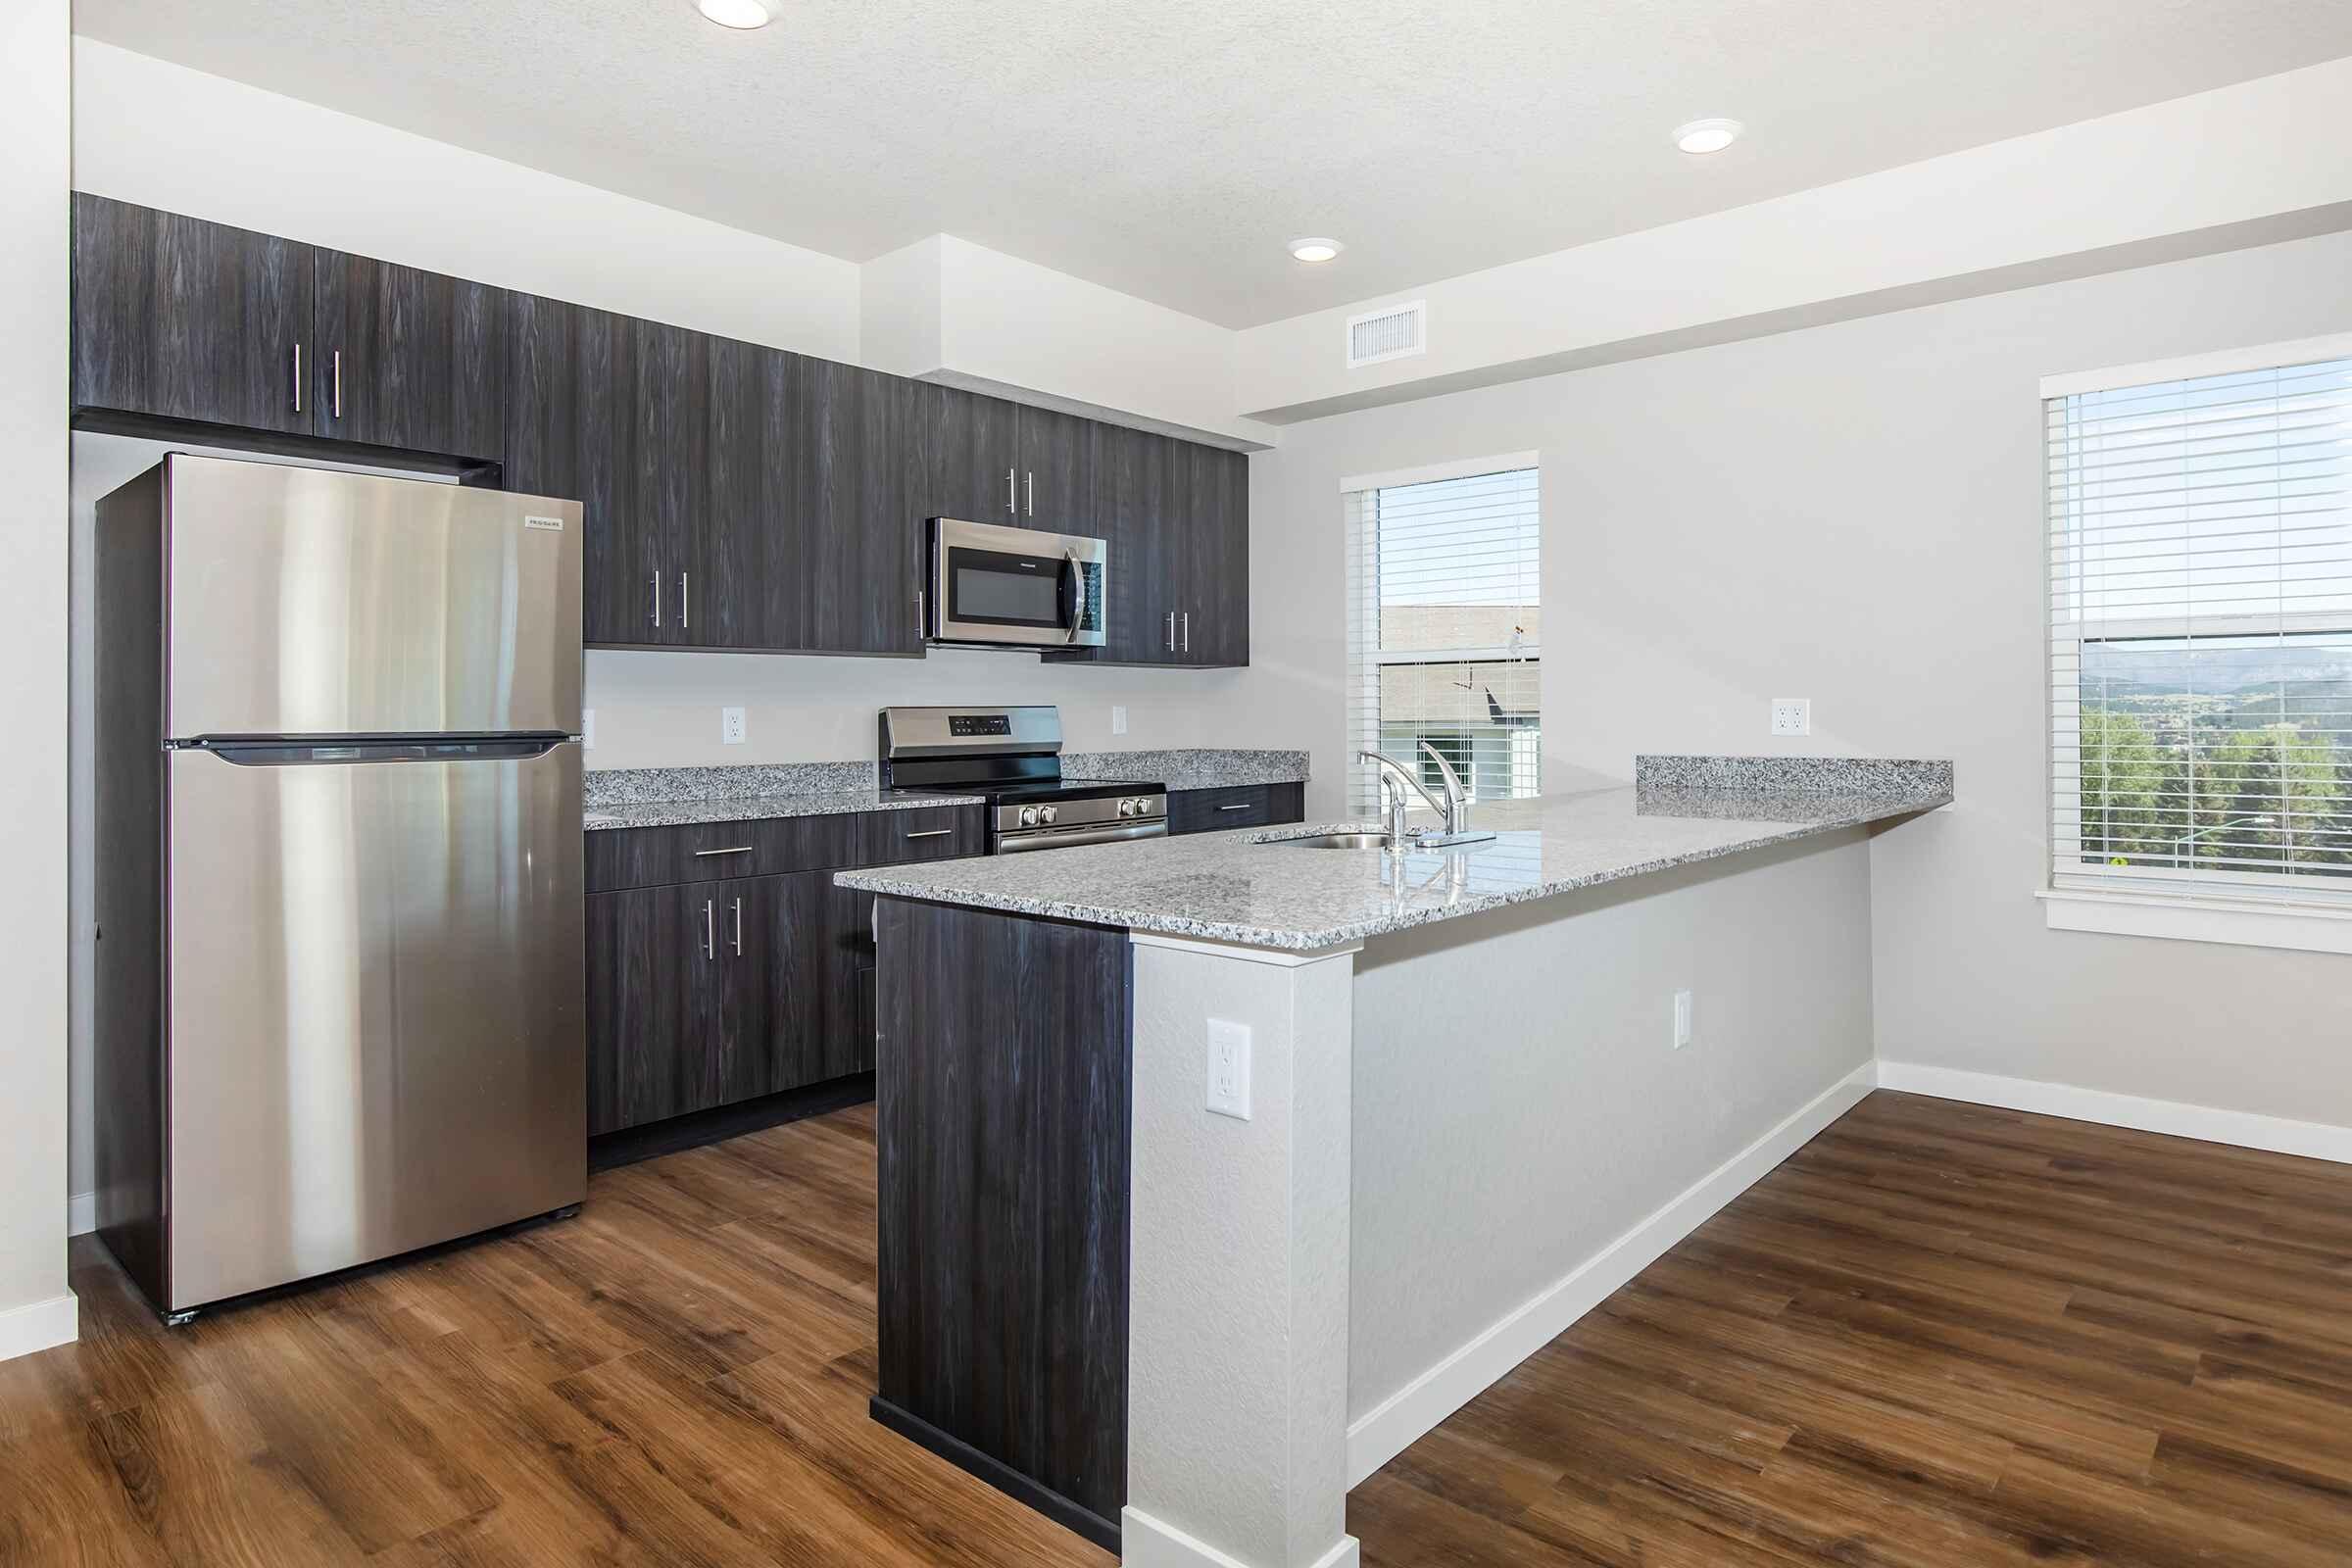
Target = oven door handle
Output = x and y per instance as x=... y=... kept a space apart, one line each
x=1063 y=838
x=1073 y=594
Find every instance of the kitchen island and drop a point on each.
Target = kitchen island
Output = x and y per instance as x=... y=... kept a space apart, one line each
x=1456 y=1108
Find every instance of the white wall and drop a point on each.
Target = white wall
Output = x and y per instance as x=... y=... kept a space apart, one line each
x=950 y=311
x=35 y=128
x=1854 y=514
x=2263 y=159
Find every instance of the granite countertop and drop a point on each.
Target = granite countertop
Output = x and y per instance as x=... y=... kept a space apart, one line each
x=1245 y=887
x=757 y=807
x=674 y=797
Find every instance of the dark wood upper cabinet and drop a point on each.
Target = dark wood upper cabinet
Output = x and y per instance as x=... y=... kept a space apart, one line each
x=176 y=318
x=672 y=490
x=962 y=454
x=751 y=549
x=862 y=528
x=408 y=359
x=572 y=431
x=1056 y=461
x=735 y=496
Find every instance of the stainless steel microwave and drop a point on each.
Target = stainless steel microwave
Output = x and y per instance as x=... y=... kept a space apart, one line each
x=1014 y=587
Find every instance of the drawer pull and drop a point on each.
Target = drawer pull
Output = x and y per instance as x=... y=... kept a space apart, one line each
x=740 y=849
x=1245 y=806
x=932 y=833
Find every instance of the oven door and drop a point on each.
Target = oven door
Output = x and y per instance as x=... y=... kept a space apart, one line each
x=1016 y=586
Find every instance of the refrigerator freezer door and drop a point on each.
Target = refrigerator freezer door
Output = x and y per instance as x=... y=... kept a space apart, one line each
x=375 y=998
x=306 y=602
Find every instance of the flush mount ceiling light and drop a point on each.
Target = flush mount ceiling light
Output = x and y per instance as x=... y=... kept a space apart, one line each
x=1708 y=135
x=1315 y=248
x=744 y=13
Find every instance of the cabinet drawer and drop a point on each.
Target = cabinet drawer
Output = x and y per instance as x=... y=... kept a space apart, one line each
x=708 y=851
x=1235 y=806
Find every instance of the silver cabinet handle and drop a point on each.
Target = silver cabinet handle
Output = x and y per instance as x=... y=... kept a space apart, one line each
x=1029 y=481
x=297 y=378
x=738 y=848
x=1171 y=631
x=336 y=407
x=1187 y=631
x=710 y=930
x=1243 y=806
x=932 y=833
x=683 y=623
x=1009 y=504
x=739 y=928
x=656 y=601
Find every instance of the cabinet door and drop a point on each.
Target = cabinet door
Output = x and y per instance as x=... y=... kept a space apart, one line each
x=407 y=358
x=673 y=488
x=637 y=976
x=1130 y=490
x=184 y=319
x=1057 y=463
x=812 y=979
x=859 y=531
x=729 y=1055
x=751 y=554
x=963 y=455
x=571 y=431
x=1213 y=626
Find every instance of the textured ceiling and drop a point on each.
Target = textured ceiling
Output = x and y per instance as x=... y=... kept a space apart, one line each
x=1171 y=149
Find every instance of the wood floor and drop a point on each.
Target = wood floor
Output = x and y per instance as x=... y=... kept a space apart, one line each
x=675 y=1379
x=1939 y=1335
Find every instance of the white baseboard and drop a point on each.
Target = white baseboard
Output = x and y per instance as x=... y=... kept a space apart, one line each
x=39 y=1325
x=82 y=1213
x=1390 y=1428
x=1149 y=1543
x=2243 y=1128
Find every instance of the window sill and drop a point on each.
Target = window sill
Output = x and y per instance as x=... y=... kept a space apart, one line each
x=2302 y=928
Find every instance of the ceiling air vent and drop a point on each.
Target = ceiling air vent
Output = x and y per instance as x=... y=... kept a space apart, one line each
x=1388 y=335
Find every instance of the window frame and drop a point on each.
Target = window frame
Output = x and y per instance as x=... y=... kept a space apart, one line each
x=1368 y=661
x=2248 y=908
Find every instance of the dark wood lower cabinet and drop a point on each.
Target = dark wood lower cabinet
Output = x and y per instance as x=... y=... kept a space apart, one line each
x=1001 y=1133
x=1235 y=806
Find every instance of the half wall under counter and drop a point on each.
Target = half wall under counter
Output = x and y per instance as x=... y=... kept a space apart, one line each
x=1465 y=1120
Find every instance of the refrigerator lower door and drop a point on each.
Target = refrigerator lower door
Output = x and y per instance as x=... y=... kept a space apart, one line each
x=375 y=1005
x=304 y=602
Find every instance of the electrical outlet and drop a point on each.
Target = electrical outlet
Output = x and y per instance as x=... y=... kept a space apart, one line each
x=587 y=729
x=1681 y=1019
x=1228 y=1068
x=1792 y=716
x=1118 y=720
x=731 y=728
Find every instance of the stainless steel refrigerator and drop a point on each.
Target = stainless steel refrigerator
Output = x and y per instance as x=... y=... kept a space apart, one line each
x=340 y=986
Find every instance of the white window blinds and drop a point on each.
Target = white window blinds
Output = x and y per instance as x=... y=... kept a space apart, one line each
x=1443 y=612
x=2200 y=606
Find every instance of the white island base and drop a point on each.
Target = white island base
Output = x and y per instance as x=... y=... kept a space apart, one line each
x=1462 y=1136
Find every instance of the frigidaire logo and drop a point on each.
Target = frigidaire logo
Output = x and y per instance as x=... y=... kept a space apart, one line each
x=557 y=523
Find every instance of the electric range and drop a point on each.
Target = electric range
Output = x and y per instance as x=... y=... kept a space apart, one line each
x=1012 y=758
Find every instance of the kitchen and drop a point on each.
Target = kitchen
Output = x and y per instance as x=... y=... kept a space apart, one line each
x=884 y=565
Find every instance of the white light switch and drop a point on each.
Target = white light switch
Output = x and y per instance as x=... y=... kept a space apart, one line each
x=1792 y=716
x=1228 y=1068
x=1118 y=720
x=1681 y=1019
x=730 y=727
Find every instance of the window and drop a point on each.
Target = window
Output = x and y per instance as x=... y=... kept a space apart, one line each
x=2200 y=603
x=1442 y=625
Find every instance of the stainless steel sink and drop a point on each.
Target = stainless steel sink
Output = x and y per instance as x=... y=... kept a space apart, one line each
x=1338 y=841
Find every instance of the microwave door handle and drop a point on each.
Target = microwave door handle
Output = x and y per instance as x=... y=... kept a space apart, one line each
x=1073 y=591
